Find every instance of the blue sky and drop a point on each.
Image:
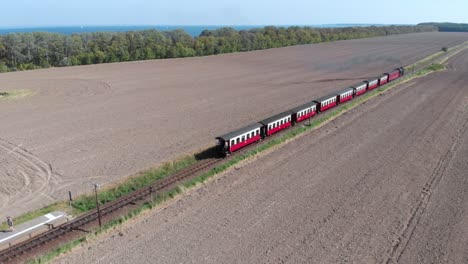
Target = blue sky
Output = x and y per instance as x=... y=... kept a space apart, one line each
x=18 y=13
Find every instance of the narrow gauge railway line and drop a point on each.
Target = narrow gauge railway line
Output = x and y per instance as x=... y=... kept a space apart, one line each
x=78 y=224
x=17 y=251
x=81 y=221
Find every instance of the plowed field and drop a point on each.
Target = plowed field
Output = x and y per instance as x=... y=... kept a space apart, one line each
x=100 y=123
x=383 y=183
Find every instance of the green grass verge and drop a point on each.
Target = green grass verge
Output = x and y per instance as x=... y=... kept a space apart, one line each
x=87 y=202
x=432 y=68
x=67 y=247
x=149 y=176
x=434 y=57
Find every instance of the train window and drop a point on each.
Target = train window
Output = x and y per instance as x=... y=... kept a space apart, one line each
x=232 y=142
x=243 y=138
x=237 y=140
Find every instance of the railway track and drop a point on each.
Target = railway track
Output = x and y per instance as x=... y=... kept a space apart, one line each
x=27 y=246
x=15 y=252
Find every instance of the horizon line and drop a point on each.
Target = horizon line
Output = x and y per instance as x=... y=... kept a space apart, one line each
x=200 y=25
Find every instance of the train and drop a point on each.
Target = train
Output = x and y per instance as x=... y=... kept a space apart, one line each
x=240 y=138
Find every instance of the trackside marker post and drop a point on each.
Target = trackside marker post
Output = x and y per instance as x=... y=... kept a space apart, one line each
x=96 y=186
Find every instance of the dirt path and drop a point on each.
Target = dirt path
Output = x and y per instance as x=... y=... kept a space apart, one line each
x=100 y=123
x=383 y=183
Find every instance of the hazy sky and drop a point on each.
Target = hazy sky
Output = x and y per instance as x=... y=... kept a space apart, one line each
x=17 y=13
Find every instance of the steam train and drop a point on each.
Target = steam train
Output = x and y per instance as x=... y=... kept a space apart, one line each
x=235 y=140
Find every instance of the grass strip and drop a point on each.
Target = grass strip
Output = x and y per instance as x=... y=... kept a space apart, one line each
x=112 y=225
x=87 y=202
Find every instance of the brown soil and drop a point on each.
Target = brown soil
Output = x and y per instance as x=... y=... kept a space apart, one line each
x=385 y=182
x=100 y=123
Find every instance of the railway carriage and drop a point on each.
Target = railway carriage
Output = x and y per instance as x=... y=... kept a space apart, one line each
x=394 y=75
x=372 y=83
x=239 y=138
x=276 y=123
x=345 y=95
x=359 y=88
x=383 y=79
x=326 y=102
x=303 y=112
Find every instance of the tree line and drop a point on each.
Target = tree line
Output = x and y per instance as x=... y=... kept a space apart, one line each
x=24 y=51
x=448 y=27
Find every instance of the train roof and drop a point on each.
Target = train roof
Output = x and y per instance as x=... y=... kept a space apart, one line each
x=275 y=117
x=323 y=98
x=302 y=107
x=345 y=90
x=372 y=79
x=358 y=84
x=240 y=131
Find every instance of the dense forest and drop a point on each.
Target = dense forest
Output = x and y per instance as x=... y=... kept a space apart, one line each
x=448 y=27
x=23 y=51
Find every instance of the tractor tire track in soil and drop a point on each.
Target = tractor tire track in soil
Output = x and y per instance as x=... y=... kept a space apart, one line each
x=28 y=179
x=425 y=196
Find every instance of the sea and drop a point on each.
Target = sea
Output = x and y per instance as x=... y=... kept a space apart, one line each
x=194 y=31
